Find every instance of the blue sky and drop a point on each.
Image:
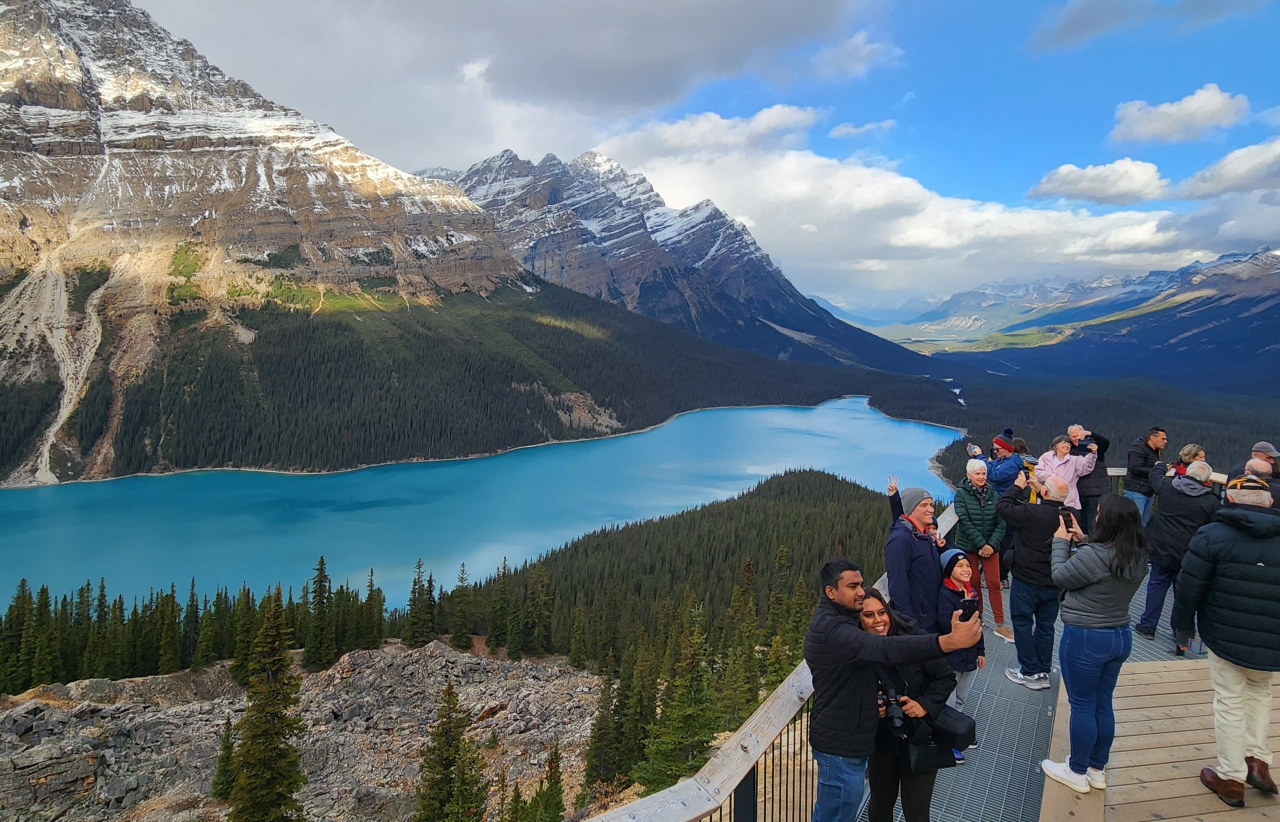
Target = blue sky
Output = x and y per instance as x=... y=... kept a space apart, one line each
x=977 y=104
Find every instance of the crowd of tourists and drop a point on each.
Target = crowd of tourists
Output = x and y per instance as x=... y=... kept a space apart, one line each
x=894 y=669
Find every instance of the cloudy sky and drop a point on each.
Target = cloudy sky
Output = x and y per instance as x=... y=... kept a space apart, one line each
x=877 y=149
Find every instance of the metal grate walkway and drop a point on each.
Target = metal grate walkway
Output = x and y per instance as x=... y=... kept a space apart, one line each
x=1001 y=781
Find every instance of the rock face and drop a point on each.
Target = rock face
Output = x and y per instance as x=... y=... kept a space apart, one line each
x=592 y=226
x=145 y=748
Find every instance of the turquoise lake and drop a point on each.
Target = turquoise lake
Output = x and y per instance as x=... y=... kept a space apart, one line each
x=229 y=527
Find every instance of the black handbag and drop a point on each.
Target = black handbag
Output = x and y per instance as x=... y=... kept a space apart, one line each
x=925 y=753
x=953 y=729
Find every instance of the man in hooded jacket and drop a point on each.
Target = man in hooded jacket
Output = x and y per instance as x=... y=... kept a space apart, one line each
x=1186 y=503
x=1229 y=587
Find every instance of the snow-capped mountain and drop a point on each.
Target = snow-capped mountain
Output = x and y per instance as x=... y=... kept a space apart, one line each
x=592 y=226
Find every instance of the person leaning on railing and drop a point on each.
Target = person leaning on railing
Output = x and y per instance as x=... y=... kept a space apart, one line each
x=1142 y=457
x=842 y=660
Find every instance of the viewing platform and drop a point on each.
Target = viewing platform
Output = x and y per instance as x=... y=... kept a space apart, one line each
x=1164 y=736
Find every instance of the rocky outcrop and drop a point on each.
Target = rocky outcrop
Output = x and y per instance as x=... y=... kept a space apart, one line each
x=592 y=226
x=145 y=748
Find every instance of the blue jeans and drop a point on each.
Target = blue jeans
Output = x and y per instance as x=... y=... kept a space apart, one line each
x=1144 y=504
x=1091 y=660
x=1032 y=611
x=841 y=782
x=1158 y=584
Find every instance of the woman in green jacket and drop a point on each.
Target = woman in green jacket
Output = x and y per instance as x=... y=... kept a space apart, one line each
x=978 y=533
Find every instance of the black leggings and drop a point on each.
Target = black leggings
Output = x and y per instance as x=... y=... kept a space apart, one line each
x=886 y=773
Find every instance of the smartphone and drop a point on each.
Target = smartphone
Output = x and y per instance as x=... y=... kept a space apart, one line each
x=1067 y=519
x=968 y=608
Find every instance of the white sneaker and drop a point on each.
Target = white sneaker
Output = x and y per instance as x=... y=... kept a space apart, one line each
x=1061 y=772
x=1096 y=778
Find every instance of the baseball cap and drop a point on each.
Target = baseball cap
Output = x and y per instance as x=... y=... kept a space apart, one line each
x=1265 y=448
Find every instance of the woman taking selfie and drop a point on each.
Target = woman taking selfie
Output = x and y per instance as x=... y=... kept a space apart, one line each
x=923 y=691
x=1098 y=580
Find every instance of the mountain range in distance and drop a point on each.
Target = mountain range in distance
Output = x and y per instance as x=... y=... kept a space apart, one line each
x=1213 y=326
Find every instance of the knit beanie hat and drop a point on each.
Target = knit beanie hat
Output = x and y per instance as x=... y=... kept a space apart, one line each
x=911 y=497
x=949 y=559
x=1004 y=439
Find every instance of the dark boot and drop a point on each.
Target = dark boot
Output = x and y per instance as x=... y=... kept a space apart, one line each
x=1260 y=775
x=1228 y=790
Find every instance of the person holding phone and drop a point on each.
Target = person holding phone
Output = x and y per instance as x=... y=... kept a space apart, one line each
x=1098 y=581
x=957 y=593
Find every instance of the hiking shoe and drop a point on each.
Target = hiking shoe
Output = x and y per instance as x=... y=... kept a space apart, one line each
x=1145 y=633
x=1096 y=778
x=1004 y=632
x=1016 y=676
x=1061 y=772
x=959 y=756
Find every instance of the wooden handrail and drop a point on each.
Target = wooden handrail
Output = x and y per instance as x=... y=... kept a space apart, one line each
x=712 y=786
x=1216 y=479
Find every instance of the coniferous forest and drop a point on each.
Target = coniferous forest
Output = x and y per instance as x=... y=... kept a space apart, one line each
x=688 y=618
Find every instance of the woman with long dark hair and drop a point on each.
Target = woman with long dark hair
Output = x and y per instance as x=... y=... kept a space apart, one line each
x=923 y=690
x=1099 y=579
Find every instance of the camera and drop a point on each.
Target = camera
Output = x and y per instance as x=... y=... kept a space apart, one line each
x=893 y=711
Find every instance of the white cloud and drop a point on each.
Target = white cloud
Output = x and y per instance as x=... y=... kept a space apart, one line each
x=1079 y=21
x=850 y=130
x=854 y=57
x=1193 y=117
x=400 y=77
x=881 y=235
x=777 y=126
x=1252 y=168
x=1123 y=182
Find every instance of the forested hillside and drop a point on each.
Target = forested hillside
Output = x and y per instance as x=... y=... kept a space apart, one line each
x=347 y=385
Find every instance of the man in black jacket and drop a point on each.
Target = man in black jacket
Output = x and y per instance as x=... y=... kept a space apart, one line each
x=1143 y=455
x=1264 y=451
x=1230 y=587
x=1186 y=503
x=1093 y=485
x=1033 y=598
x=842 y=660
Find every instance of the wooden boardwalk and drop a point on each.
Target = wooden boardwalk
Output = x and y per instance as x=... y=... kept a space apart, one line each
x=1164 y=736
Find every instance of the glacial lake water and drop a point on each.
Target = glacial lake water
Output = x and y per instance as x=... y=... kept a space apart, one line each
x=229 y=527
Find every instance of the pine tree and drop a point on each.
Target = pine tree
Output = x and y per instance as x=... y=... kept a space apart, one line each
x=246 y=630
x=537 y=617
x=547 y=803
x=207 y=642
x=268 y=771
x=420 y=621
x=170 y=633
x=321 y=647
x=224 y=770
x=515 y=629
x=517 y=809
x=498 y=601
x=461 y=616
x=600 y=764
x=451 y=788
x=373 y=613
x=578 y=638
x=637 y=703
x=678 y=741
x=190 y=627
x=739 y=683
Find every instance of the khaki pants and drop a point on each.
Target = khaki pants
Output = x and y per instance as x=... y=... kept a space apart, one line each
x=1241 y=715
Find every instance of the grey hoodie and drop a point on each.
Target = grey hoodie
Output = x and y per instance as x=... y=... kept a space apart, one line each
x=1092 y=597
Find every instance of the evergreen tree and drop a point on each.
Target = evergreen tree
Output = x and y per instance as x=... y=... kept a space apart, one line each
x=637 y=703
x=207 y=642
x=537 y=618
x=578 y=638
x=420 y=621
x=515 y=629
x=224 y=770
x=268 y=771
x=321 y=648
x=678 y=741
x=600 y=764
x=499 y=598
x=190 y=627
x=739 y=683
x=461 y=616
x=451 y=788
x=517 y=809
x=547 y=803
x=170 y=633
x=39 y=642
x=245 y=617
x=373 y=613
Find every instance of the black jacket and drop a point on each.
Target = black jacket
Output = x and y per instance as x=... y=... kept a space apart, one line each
x=1096 y=482
x=1033 y=529
x=1141 y=459
x=964 y=659
x=1230 y=586
x=929 y=683
x=1185 y=505
x=842 y=659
